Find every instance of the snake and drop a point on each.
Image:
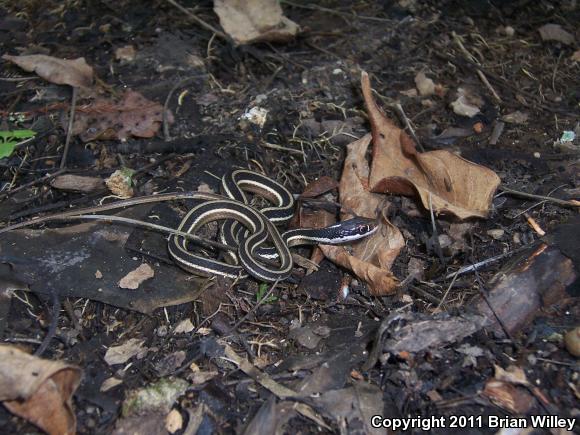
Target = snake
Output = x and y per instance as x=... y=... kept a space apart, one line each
x=245 y=229
x=248 y=228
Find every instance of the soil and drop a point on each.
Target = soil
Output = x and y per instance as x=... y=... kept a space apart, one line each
x=310 y=88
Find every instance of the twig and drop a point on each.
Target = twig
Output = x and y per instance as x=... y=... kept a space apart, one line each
x=472 y=59
x=479 y=265
x=403 y=116
x=254 y=308
x=482 y=292
x=113 y=206
x=563 y=202
x=152 y=226
x=69 y=128
x=32 y=183
x=281 y=148
x=435 y=236
x=199 y=20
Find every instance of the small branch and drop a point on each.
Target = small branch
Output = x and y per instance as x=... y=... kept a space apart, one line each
x=69 y=128
x=199 y=20
x=563 y=202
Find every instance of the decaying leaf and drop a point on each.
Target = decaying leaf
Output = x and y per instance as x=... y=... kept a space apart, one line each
x=381 y=282
x=248 y=21
x=155 y=397
x=38 y=390
x=373 y=256
x=120 y=183
x=443 y=181
x=124 y=352
x=424 y=84
x=355 y=406
x=133 y=115
x=508 y=396
x=77 y=183
x=555 y=32
x=134 y=278
x=76 y=73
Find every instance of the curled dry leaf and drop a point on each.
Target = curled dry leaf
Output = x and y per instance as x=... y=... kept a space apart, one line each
x=38 y=390
x=76 y=73
x=132 y=115
x=443 y=181
x=248 y=21
x=120 y=183
x=372 y=257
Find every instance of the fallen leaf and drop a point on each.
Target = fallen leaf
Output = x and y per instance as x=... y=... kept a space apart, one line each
x=353 y=407
x=425 y=85
x=373 y=256
x=572 y=341
x=77 y=183
x=465 y=104
x=76 y=73
x=248 y=21
x=38 y=390
x=198 y=378
x=184 y=326
x=120 y=183
x=381 y=281
x=156 y=397
x=555 y=32
x=134 y=278
x=513 y=375
x=124 y=352
x=132 y=115
x=516 y=117
x=110 y=383
x=575 y=56
x=508 y=396
x=355 y=197
x=443 y=181
x=319 y=187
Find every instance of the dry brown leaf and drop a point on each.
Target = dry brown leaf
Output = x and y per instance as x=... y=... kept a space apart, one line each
x=38 y=390
x=443 y=181
x=77 y=183
x=76 y=73
x=373 y=256
x=133 y=115
x=381 y=282
x=248 y=21
x=124 y=352
x=508 y=396
x=319 y=187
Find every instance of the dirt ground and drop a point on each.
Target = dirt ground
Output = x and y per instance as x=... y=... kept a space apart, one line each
x=344 y=355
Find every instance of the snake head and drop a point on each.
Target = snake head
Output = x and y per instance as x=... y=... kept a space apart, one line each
x=356 y=228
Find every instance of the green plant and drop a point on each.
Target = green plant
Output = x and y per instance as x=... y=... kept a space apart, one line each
x=10 y=139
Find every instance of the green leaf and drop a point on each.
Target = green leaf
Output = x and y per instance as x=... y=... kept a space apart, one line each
x=9 y=140
x=262 y=290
